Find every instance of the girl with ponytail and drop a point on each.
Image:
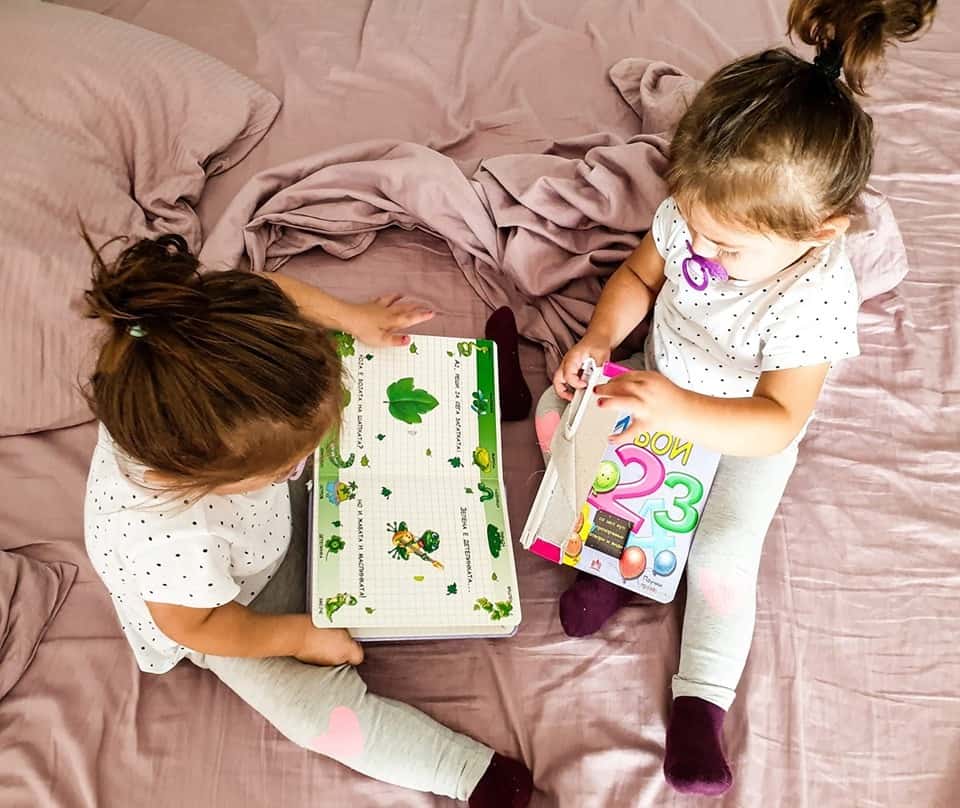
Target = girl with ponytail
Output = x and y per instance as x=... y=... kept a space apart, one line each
x=753 y=300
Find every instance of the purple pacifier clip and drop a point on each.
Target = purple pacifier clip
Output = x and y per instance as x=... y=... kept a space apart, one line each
x=710 y=269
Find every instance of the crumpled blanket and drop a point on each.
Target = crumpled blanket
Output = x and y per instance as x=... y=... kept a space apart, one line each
x=537 y=232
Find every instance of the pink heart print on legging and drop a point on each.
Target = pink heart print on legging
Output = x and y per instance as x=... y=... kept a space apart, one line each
x=343 y=738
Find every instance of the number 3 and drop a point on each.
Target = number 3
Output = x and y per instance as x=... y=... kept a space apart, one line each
x=693 y=493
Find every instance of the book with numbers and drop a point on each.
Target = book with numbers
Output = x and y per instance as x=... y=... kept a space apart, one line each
x=410 y=535
x=624 y=511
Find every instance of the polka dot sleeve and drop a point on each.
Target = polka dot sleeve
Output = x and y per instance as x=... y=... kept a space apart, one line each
x=192 y=571
x=816 y=324
x=667 y=223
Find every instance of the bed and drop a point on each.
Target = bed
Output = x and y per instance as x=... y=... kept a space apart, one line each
x=849 y=697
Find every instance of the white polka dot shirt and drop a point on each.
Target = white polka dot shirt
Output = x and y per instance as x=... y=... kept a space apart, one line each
x=719 y=340
x=201 y=553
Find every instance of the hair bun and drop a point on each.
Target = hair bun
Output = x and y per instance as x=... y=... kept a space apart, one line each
x=860 y=29
x=151 y=282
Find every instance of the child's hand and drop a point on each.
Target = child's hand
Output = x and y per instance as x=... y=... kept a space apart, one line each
x=383 y=321
x=328 y=646
x=651 y=399
x=567 y=374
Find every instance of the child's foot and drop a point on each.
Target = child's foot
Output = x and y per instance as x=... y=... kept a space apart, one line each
x=515 y=398
x=589 y=603
x=694 y=761
x=506 y=783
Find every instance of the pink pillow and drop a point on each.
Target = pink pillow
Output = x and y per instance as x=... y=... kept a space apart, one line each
x=31 y=594
x=110 y=123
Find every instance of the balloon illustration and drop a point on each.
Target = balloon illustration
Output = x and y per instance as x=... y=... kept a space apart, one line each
x=665 y=563
x=632 y=563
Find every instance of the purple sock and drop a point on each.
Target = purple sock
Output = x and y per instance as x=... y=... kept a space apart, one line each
x=589 y=603
x=506 y=783
x=515 y=397
x=694 y=761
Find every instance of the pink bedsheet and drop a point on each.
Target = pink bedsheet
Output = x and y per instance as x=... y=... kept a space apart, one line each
x=850 y=693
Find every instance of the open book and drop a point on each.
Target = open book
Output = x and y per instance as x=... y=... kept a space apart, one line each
x=624 y=511
x=410 y=532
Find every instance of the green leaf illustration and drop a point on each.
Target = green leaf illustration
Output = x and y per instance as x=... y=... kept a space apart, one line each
x=364 y=461
x=381 y=436
x=413 y=347
x=385 y=492
x=451 y=589
x=456 y=462
x=369 y=609
x=408 y=403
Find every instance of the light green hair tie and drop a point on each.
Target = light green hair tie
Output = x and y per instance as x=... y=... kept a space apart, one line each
x=136 y=331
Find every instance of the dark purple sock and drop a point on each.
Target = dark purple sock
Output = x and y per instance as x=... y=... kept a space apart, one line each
x=694 y=761
x=589 y=603
x=515 y=397
x=506 y=783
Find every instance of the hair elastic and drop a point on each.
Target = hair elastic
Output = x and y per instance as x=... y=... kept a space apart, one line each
x=136 y=331
x=830 y=61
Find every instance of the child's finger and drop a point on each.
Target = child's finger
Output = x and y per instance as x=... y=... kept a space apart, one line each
x=398 y=340
x=633 y=431
x=625 y=403
x=571 y=375
x=411 y=317
x=388 y=300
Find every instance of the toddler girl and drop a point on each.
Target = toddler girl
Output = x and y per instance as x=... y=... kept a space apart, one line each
x=753 y=300
x=212 y=389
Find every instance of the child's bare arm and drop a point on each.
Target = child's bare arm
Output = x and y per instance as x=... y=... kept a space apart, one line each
x=236 y=631
x=763 y=424
x=626 y=299
x=378 y=322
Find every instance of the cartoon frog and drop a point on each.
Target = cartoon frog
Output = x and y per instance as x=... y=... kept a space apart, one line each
x=333 y=605
x=405 y=543
x=482 y=459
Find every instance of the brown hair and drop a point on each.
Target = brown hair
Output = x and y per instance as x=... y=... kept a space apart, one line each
x=778 y=144
x=207 y=378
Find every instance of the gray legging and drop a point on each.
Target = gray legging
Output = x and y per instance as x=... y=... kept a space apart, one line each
x=329 y=710
x=722 y=567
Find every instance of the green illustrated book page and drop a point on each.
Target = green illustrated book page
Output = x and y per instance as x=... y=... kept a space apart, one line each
x=410 y=524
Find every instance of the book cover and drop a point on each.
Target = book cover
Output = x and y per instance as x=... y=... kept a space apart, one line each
x=637 y=510
x=410 y=531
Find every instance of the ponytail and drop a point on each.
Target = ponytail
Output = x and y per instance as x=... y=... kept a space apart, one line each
x=856 y=32
x=778 y=144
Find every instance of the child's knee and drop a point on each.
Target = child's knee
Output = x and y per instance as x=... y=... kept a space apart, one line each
x=725 y=587
x=549 y=412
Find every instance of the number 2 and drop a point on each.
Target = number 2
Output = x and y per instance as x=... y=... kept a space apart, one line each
x=653 y=477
